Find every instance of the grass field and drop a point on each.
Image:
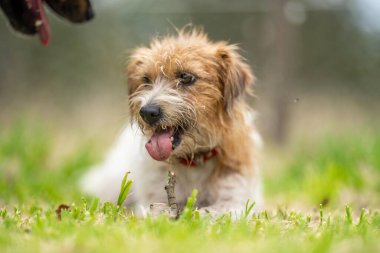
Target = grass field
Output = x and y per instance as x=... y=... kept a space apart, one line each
x=341 y=172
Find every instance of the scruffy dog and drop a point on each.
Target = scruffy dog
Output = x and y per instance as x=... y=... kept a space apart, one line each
x=188 y=115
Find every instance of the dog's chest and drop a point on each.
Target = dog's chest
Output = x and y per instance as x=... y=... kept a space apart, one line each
x=190 y=178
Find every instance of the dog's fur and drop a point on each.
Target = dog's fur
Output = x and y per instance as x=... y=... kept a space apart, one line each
x=210 y=113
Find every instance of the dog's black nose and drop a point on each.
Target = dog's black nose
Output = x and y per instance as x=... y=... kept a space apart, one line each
x=151 y=114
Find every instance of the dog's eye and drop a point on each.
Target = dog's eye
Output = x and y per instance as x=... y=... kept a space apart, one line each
x=146 y=79
x=186 y=79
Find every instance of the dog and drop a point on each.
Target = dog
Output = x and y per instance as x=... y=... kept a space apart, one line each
x=187 y=115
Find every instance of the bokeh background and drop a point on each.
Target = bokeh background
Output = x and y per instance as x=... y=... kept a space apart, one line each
x=317 y=64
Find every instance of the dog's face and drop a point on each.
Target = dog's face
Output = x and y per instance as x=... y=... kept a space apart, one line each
x=183 y=92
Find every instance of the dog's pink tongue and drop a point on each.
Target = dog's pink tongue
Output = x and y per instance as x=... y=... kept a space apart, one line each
x=160 y=145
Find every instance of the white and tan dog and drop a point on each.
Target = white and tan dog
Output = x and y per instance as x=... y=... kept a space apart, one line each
x=188 y=115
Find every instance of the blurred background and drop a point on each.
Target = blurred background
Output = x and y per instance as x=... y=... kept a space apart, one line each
x=317 y=64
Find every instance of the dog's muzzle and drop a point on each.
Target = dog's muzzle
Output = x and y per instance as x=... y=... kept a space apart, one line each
x=165 y=138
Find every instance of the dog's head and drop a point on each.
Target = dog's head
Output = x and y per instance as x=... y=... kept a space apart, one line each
x=183 y=90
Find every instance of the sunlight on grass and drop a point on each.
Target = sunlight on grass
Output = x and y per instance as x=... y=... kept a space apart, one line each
x=113 y=229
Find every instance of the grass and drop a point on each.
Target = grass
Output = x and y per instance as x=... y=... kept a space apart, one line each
x=326 y=171
x=335 y=171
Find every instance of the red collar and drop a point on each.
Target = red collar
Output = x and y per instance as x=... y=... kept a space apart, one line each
x=200 y=158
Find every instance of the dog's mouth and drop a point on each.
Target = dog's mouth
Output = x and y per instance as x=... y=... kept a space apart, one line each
x=163 y=141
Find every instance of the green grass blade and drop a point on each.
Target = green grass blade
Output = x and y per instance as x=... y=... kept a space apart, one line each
x=124 y=190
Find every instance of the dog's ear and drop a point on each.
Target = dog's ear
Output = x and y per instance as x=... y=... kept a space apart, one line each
x=235 y=74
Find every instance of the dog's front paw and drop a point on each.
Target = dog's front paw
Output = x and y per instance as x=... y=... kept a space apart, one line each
x=158 y=209
x=218 y=211
x=210 y=212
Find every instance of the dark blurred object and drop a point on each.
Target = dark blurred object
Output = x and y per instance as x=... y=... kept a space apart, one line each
x=28 y=16
x=20 y=16
x=76 y=11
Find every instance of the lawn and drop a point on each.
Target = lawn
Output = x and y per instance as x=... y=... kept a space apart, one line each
x=321 y=196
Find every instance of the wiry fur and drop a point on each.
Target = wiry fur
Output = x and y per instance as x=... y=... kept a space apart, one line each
x=211 y=113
